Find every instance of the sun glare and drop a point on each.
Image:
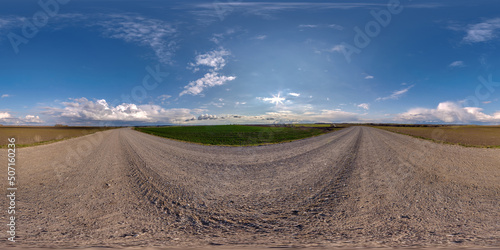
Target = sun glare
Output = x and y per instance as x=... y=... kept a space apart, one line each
x=276 y=99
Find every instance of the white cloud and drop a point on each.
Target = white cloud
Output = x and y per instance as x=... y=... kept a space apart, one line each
x=312 y=26
x=308 y=115
x=395 y=95
x=294 y=94
x=369 y=77
x=482 y=32
x=217 y=104
x=4 y=22
x=153 y=33
x=217 y=38
x=364 y=106
x=164 y=97
x=284 y=116
x=449 y=112
x=9 y=22
x=209 y=12
x=32 y=119
x=456 y=64
x=4 y=115
x=335 y=26
x=7 y=118
x=156 y=34
x=337 y=48
x=214 y=59
x=84 y=111
x=261 y=37
x=207 y=117
x=209 y=80
x=308 y=26
x=5 y=95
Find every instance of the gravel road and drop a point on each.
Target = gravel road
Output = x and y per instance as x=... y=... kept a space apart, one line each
x=359 y=186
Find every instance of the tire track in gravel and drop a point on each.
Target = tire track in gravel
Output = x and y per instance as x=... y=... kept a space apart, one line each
x=359 y=186
x=256 y=209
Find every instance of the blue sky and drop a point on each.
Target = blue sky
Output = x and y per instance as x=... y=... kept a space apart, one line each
x=222 y=62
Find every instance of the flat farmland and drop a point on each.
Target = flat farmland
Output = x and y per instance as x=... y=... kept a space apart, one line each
x=30 y=136
x=475 y=136
x=236 y=135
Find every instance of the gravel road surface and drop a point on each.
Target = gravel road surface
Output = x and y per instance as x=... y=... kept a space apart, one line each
x=359 y=186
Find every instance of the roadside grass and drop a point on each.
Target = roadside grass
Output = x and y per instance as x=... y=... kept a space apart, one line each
x=34 y=136
x=468 y=136
x=235 y=135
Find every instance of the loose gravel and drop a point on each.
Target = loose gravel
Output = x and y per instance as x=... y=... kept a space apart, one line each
x=357 y=187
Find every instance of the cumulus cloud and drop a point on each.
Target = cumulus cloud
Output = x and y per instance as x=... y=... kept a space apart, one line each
x=31 y=119
x=209 y=80
x=214 y=59
x=456 y=64
x=325 y=115
x=84 y=111
x=395 y=95
x=294 y=94
x=449 y=112
x=207 y=117
x=482 y=32
x=5 y=96
x=369 y=77
x=364 y=106
x=7 y=118
x=4 y=115
x=284 y=116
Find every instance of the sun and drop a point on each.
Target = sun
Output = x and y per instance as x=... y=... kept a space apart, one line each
x=277 y=99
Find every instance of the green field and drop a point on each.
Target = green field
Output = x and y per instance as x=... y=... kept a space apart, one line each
x=31 y=136
x=235 y=135
x=313 y=125
x=470 y=135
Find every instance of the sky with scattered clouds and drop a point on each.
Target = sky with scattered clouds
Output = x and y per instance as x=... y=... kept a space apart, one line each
x=194 y=62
